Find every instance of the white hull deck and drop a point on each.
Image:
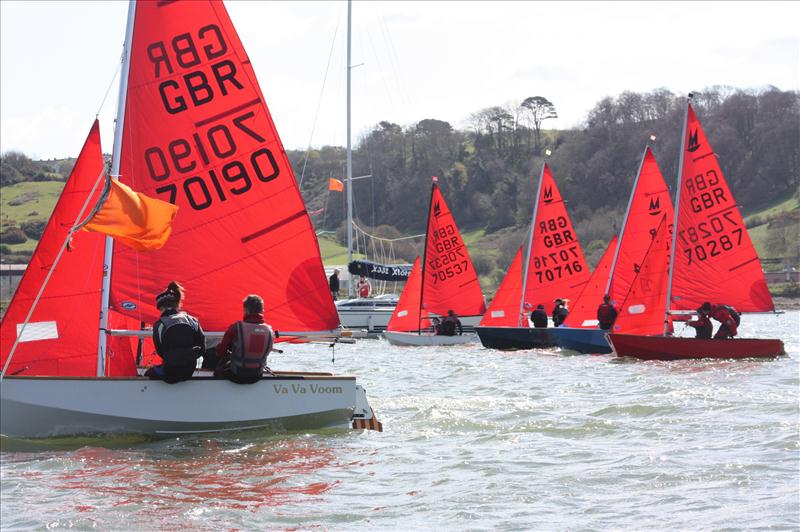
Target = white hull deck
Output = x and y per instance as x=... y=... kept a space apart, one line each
x=415 y=339
x=38 y=407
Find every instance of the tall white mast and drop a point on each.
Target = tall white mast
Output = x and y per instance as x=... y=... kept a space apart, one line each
x=115 y=156
x=530 y=245
x=675 y=220
x=349 y=177
x=625 y=220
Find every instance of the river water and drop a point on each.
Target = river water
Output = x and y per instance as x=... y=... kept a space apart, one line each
x=474 y=439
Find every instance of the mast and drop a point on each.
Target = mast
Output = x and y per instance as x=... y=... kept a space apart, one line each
x=675 y=220
x=349 y=177
x=625 y=220
x=115 y=157
x=530 y=244
x=425 y=257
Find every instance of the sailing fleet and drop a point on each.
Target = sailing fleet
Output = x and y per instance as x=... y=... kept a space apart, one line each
x=193 y=128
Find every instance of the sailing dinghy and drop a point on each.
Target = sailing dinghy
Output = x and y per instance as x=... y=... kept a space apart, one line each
x=649 y=202
x=443 y=280
x=192 y=128
x=554 y=268
x=711 y=258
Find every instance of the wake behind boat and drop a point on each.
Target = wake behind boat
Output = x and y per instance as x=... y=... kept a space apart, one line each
x=215 y=154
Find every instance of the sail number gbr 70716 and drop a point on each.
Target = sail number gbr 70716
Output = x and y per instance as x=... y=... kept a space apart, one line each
x=184 y=157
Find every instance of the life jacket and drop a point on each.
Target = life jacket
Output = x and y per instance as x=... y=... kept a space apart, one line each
x=363 y=290
x=606 y=315
x=734 y=314
x=539 y=318
x=250 y=349
x=449 y=326
x=560 y=314
x=177 y=339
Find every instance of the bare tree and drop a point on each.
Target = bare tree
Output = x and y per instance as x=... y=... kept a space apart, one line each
x=539 y=109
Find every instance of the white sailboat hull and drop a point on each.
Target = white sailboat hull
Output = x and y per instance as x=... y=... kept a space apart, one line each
x=36 y=407
x=411 y=338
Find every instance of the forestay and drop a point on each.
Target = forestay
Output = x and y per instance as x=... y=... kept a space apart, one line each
x=61 y=337
x=649 y=203
x=643 y=309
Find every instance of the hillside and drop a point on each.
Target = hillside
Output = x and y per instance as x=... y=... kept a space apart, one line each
x=488 y=170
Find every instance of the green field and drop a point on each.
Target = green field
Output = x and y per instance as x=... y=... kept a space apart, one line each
x=25 y=202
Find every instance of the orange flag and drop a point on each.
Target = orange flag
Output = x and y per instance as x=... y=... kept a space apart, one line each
x=136 y=220
x=335 y=184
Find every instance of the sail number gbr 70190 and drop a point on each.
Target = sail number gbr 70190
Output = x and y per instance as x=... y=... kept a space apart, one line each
x=236 y=176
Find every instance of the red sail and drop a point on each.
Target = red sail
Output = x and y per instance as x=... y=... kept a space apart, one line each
x=645 y=305
x=449 y=279
x=198 y=133
x=556 y=268
x=714 y=258
x=61 y=337
x=406 y=315
x=650 y=201
x=583 y=312
x=503 y=311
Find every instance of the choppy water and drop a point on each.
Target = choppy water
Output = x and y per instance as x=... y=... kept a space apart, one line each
x=474 y=439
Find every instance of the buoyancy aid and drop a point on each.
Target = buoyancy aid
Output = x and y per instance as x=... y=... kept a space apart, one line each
x=178 y=339
x=250 y=348
x=606 y=316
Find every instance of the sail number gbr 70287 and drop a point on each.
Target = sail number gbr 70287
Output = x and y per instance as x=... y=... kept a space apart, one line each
x=713 y=237
x=185 y=157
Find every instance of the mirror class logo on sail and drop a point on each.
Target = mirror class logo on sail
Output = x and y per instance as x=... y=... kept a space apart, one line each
x=200 y=80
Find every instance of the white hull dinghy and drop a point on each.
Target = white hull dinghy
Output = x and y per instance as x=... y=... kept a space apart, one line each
x=36 y=407
x=241 y=228
x=417 y=339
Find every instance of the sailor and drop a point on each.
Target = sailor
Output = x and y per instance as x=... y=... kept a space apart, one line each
x=243 y=351
x=702 y=325
x=560 y=312
x=539 y=317
x=606 y=314
x=363 y=287
x=726 y=316
x=436 y=326
x=450 y=323
x=178 y=338
x=333 y=281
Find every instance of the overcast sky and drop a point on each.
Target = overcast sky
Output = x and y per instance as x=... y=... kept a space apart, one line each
x=442 y=60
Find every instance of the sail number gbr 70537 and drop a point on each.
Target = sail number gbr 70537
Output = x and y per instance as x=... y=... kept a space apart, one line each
x=448 y=259
x=185 y=157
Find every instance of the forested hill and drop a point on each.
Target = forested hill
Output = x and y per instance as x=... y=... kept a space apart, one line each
x=488 y=170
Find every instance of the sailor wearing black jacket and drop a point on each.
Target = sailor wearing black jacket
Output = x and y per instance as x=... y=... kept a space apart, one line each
x=178 y=338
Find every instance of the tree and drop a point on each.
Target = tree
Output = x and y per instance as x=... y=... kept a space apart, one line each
x=539 y=109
